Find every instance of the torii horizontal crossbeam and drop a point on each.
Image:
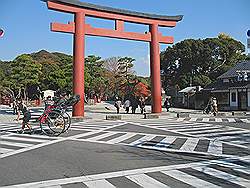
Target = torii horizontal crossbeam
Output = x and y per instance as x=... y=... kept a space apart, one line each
x=89 y=30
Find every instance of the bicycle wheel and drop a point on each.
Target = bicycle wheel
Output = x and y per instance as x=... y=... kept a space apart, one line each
x=67 y=120
x=56 y=122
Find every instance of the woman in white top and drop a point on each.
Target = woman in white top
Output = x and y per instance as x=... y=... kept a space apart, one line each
x=126 y=105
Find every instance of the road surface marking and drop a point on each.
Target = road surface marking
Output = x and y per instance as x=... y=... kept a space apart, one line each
x=146 y=181
x=223 y=175
x=190 y=144
x=121 y=138
x=23 y=145
x=189 y=179
x=99 y=183
x=215 y=147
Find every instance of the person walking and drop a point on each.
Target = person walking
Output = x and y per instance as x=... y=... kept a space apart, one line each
x=118 y=105
x=167 y=104
x=126 y=105
x=134 y=104
x=142 y=104
x=14 y=106
x=215 y=106
x=22 y=108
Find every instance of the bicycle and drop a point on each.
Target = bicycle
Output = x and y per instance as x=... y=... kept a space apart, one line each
x=56 y=119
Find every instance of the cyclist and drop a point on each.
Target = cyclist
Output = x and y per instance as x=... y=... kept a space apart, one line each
x=21 y=107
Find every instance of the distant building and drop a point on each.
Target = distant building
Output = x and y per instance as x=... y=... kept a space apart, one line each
x=232 y=89
x=188 y=97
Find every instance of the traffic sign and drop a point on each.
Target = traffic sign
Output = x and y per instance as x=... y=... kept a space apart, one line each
x=1 y=33
x=248 y=33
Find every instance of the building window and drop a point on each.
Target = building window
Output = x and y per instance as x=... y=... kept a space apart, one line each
x=233 y=97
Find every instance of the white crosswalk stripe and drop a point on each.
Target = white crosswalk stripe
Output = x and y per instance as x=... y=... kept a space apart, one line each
x=146 y=181
x=22 y=145
x=231 y=120
x=166 y=141
x=5 y=150
x=121 y=138
x=188 y=179
x=143 y=139
x=223 y=175
x=99 y=183
x=215 y=147
x=95 y=138
x=21 y=141
x=190 y=144
x=222 y=133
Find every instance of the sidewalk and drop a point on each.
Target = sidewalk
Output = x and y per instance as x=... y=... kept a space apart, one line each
x=100 y=110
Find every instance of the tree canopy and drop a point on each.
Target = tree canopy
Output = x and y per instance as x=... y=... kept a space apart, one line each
x=201 y=61
x=31 y=73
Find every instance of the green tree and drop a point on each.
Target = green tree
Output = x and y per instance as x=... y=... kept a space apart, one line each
x=95 y=81
x=25 y=72
x=199 y=62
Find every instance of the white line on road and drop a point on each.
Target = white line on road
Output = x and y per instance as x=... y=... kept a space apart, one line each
x=189 y=179
x=215 y=147
x=23 y=145
x=190 y=144
x=146 y=181
x=121 y=138
x=166 y=141
x=25 y=139
x=223 y=175
x=101 y=136
x=99 y=183
x=208 y=131
x=5 y=150
x=143 y=139
x=222 y=133
x=231 y=120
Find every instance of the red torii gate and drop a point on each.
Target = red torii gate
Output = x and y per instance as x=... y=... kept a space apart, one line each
x=80 y=29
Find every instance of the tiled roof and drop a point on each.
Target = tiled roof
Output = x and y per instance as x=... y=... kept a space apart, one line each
x=119 y=11
x=233 y=72
x=219 y=85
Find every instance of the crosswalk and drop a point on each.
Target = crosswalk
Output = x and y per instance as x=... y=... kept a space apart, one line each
x=217 y=132
x=161 y=142
x=227 y=172
x=94 y=125
x=91 y=125
x=213 y=119
x=13 y=142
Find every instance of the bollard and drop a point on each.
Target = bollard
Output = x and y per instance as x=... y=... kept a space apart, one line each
x=151 y=116
x=113 y=117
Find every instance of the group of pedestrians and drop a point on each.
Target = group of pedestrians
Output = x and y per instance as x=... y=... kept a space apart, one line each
x=132 y=102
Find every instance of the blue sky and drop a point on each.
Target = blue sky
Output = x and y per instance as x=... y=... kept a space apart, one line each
x=26 y=25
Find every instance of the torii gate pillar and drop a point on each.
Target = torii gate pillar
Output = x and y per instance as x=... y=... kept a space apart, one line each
x=78 y=63
x=155 y=69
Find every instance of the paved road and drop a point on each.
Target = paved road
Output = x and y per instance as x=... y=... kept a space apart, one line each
x=133 y=153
